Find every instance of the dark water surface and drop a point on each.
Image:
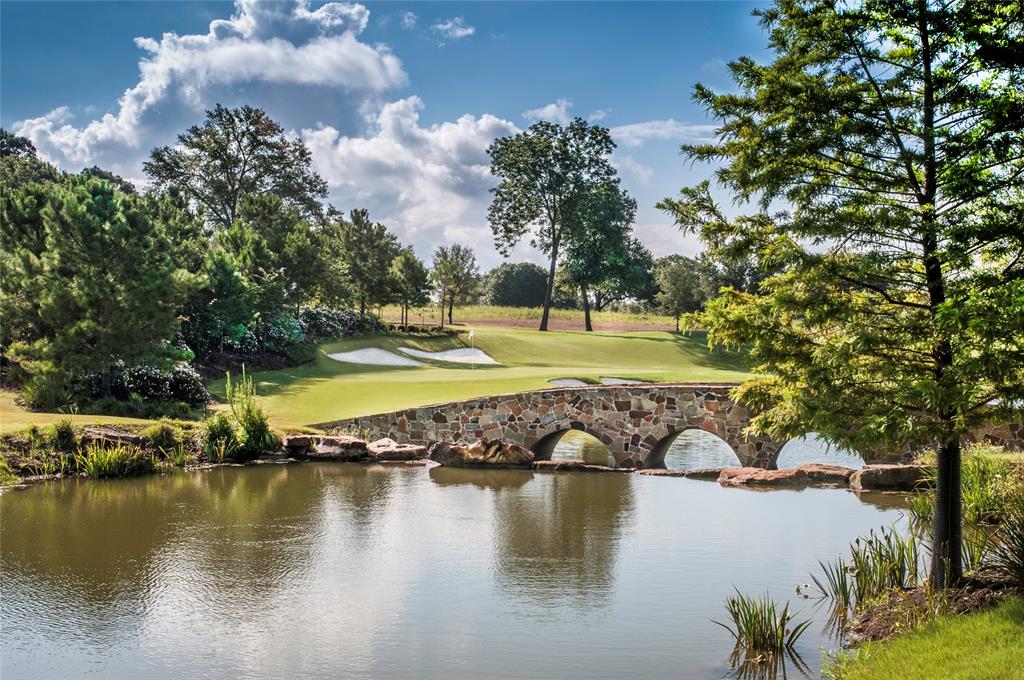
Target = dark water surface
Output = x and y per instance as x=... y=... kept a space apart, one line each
x=346 y=570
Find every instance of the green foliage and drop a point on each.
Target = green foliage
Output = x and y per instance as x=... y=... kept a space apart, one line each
x=164 y=436
x=219 y=441
x=369 y=248
x=760 y=626
x=253 y=435
x=988 y=484
x=236 y=153
x=7 y=475
x=546 y=176
x=878 y=564
x=898 y=315
x=97 y=270
x=63 y=436
x=519 y=284
x=179 y=456
x=411 y=282
x=1007 y=549
x=455 y=275
x=119 y=460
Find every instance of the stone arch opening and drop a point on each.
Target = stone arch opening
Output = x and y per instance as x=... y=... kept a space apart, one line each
x=690 y=449
x=574 y=442
x=815 y=448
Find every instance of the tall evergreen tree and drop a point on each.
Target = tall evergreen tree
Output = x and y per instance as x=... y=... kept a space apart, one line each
x=411 y=282
x=893 y=130
x=369 y=250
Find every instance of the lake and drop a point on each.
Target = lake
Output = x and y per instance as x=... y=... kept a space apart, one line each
x=364 y=571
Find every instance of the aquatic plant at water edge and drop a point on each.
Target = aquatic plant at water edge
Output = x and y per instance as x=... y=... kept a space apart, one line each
x=119 y=460
x=1007 y=551
x=62 y=435
x=254 y=434
x=178 y=456
x=164 y=436
x=759 y=625
x=836 y=583
x=878 y=563
x=218 y=436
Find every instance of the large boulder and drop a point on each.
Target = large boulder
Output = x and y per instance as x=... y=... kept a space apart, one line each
x=389 y=449
x=812 y=474
x=106 y=436
x=888 y=477
x=337 y=447
x=481 y=453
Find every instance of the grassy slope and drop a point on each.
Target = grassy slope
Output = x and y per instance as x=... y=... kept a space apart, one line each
x=978 y=646
x=327 y=390
x=471 y=313
x=14 y=417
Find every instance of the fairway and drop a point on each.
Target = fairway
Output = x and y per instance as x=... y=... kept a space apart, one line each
x=326 y=390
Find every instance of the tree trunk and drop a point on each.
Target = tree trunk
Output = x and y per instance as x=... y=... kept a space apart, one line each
x=362 y=306
x=598 y=302
x=549 y=290
x=586 y=309
x=677 y=323
x=442 y=309
x=451 y=305
x=947 y=563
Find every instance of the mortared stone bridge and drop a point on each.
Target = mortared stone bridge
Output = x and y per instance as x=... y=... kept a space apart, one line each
x=638 y=423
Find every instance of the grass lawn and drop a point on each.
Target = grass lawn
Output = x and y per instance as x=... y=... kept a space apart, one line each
x=980 y=646
x=327 y=390
x=529 y=317
x=14 y=417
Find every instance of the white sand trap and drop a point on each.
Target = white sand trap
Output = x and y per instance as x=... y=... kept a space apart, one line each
x=620 y=381
x=374 y=356
x=567 y=382
x=462 y=355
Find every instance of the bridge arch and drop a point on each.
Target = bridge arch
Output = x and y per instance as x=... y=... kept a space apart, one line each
x=545 y=444
x=815 y=448
x=660 y=452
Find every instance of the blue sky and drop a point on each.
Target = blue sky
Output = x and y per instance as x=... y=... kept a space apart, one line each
x=397 y=100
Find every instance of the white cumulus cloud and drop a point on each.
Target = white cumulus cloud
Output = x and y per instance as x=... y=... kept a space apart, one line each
x=453 y=29
x=556 y=112
x=275 y=43
x=636 y=134
x=428 y=183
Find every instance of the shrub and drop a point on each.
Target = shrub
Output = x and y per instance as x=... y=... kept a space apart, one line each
x=219 y=440
x=254 y=434
x=44 y=390
x=164 y=436
x=279 y=333
x=1007 y=549
x=137 y=407
x=185 y=384
x=7 y=475
x=62 y=435
x=119 y=460
x=760 y=626
x=320 y=322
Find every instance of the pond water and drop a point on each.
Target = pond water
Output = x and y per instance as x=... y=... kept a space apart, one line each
x=346 y=570
x=694 y=449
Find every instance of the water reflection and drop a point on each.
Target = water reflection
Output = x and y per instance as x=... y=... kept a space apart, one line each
x=342 y=570
x=557 y=547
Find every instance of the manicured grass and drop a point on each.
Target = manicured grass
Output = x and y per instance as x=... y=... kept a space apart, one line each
x=979 y=646
x=487 y=313
x=14 y=417
x=327 y=390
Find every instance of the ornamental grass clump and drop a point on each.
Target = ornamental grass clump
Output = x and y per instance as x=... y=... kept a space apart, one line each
x=253 y=432
x=758 y=625
x=164 y=436
x=1006 y=554
x=989 y=481
x=63 y=436
x=878 y=563
x=118 y=460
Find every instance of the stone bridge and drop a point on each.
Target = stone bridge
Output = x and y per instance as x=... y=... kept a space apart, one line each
x=637 y=423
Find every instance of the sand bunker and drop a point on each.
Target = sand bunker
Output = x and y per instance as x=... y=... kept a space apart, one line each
x=567 y=382
x=374 y=356
x=620 y=381
x=463 y=355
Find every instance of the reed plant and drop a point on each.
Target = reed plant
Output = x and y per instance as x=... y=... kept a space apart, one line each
x=118 y=460
x=760 y=626
x=1007 y=550
x=989 y=481
x=878 y=563
x=254 y=434
x=179 y=456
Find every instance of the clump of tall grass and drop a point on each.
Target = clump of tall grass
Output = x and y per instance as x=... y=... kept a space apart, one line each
x=47 y=464
x=1007 y=550
x=7 y=475
x=878 y=563
x=759 y=625
x=988 y=481
x=164 y=436
x=254 y=434
x=63 y=436
x=218 y=437
x=118 y=460
x=179 y=456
